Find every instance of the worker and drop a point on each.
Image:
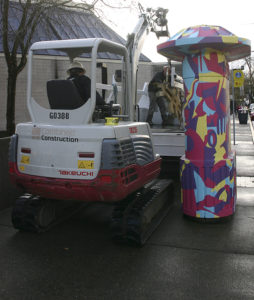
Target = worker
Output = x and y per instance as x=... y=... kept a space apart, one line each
x=76 y=73
x=156 y=95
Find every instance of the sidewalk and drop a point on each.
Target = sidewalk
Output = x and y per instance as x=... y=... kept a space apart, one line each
x=182 y=259
x=244 y=148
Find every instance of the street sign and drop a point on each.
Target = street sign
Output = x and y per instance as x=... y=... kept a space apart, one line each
x=238 y=78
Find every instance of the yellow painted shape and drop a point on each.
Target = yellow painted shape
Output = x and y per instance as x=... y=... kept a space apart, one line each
x=230 y=39
x=22 y=168
x=25 y=159
x=215 y=27
x=229 y=162
x=182 y=168
x=223 y=196
x=220 y=55
x=219 y=186
x=85 y=164
x=202 y=127
x=213 y=77
x=220 y=151
x=210 y=77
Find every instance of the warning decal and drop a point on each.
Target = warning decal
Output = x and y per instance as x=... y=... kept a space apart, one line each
x=25 y=159
x=22 y=168
x=85 y=164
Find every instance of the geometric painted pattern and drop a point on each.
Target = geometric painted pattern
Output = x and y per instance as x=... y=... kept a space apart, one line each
x=208 y=169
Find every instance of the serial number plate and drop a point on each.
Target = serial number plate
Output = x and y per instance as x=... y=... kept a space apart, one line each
x=59 y=115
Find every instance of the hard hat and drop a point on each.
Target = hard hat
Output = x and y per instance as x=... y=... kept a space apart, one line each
x=75 y=65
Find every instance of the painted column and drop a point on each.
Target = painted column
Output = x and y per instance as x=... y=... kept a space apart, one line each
x=208 y=170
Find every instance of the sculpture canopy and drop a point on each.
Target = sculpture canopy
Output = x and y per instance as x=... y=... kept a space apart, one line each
x=193 y=39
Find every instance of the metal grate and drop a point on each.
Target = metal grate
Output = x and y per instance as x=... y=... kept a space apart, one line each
x=143 y=149
x=117 y=153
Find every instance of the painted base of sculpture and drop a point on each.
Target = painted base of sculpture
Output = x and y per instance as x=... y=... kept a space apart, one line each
x=208 y=190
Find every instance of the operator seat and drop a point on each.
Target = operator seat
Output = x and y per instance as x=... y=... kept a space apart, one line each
x=63 y=94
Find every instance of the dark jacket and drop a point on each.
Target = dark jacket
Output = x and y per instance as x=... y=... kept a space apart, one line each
x=83 y=84
x=159 y=77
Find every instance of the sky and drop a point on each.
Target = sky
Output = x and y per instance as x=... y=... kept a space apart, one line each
x=234 y=15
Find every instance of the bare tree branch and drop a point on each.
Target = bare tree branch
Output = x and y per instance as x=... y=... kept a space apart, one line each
x=5 y=30
x=29 y=14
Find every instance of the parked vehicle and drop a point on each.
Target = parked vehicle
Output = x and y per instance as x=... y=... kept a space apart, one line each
x=252 y=114
x=251 y=107
x=243 y=114
x=71 y=152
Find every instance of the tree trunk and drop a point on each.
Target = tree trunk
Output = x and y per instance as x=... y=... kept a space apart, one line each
x=10 y=113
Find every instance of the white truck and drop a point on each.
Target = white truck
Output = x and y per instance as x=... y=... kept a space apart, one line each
x=169 y=141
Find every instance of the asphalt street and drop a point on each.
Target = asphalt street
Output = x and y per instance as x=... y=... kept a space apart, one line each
x=182 y=260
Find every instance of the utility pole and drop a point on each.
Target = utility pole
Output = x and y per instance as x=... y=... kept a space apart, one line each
x=233 y=100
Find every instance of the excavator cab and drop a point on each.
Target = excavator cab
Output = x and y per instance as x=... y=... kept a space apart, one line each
x=57 y=93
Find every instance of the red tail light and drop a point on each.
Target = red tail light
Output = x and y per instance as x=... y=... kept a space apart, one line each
x=26 y=150
x=86 y=154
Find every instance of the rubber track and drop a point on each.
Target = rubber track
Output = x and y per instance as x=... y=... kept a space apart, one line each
x=25 y=213
x=137 y=216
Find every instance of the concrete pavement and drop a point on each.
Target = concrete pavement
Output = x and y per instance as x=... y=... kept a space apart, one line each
x=182 y=259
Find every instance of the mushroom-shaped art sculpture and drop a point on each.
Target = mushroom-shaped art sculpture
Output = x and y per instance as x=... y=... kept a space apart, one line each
x=208 y=169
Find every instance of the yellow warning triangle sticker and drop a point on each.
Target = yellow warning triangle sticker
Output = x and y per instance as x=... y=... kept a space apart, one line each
x=81 y=165
x=85 y=164
x=25 y=159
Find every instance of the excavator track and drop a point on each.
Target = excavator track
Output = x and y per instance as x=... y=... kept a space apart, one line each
x=136 y=217
x=35 y=214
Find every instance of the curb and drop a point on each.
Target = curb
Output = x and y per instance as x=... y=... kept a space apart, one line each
x=251 y=128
